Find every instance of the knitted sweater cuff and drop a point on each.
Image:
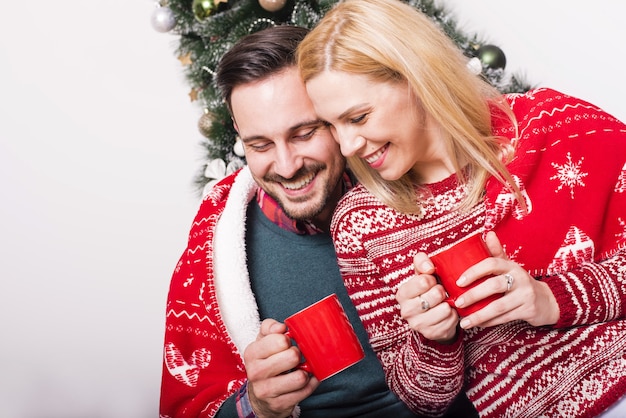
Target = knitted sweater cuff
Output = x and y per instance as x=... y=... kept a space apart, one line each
x=567 y=309
x=436 y=348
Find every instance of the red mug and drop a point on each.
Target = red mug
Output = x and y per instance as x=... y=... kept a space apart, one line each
x=452 y=262
x=325 y=337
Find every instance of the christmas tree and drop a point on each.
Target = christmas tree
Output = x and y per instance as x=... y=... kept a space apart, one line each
x=208 y=28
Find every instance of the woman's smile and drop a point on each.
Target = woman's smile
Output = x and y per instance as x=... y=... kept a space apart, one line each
x=375 y=160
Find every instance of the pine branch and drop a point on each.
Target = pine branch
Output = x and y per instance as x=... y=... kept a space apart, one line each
x=203 y=40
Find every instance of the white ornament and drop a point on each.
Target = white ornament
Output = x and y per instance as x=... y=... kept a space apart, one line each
x=233 y=166
x=215 y=169
x=163 y=19
x=475 y=66
x=238 y=148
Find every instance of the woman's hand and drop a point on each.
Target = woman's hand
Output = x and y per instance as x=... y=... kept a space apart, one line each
x=423 y=306
x=524 y=297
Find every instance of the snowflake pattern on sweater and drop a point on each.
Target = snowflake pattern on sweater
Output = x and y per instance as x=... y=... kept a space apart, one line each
x=570 y=166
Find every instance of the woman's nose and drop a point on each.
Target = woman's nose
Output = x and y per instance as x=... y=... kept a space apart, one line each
x=349 y=141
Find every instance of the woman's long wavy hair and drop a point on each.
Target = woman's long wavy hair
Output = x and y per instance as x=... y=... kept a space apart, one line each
x=391 y=41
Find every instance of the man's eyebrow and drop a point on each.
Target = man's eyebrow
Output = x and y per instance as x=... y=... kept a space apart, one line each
x=245 y=139
x=252 y=138
x=305 y=124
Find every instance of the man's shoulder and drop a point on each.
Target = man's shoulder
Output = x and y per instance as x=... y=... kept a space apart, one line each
x=239 y=183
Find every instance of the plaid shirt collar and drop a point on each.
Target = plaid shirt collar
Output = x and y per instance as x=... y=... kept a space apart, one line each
x=276 y=214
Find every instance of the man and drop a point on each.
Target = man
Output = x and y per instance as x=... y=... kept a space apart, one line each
x=258 y=250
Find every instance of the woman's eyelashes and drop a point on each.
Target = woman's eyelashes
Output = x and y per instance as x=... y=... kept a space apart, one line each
x=359 y=119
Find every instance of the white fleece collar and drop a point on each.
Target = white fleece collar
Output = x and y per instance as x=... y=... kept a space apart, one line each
x=237 y=304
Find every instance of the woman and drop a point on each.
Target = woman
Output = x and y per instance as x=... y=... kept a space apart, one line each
x=440 y=156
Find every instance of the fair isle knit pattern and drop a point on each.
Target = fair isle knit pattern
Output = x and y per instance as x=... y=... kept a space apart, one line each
x=211 y=312
x=570 y=164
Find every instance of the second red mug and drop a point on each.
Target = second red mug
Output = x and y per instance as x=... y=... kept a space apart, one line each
x=453 y=261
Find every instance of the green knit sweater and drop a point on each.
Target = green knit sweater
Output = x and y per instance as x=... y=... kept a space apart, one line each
x=289 y=272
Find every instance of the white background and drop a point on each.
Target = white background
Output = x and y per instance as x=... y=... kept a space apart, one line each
x=98 y=148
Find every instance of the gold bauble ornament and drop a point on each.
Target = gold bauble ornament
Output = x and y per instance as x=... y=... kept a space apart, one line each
x=204 y=8
x=204 y=124
x=272 y=5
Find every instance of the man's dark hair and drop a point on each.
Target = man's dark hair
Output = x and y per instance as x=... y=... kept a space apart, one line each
x=257 y=56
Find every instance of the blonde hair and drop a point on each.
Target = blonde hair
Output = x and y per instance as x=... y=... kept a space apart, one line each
x=390 y=41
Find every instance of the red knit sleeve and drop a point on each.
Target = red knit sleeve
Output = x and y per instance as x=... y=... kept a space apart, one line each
x=593 y=293
x=425 y=375
x=571 y=162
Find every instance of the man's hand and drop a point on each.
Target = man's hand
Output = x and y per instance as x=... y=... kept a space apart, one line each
x=275 y=385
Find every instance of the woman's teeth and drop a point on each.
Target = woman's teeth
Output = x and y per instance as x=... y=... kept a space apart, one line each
x=372 y=158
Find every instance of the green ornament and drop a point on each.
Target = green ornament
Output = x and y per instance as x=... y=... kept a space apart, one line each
x=491 y=56
x=203 y=8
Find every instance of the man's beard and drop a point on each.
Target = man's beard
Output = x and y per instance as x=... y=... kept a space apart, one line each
x=311 y=210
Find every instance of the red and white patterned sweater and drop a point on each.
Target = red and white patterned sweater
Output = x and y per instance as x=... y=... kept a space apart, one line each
x=570 y=164
x=212 y=314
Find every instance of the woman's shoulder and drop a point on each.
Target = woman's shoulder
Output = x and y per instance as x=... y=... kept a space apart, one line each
x=539 y=96
x=357 y=201
x=543 y=104
x=543 y=113
x=357 y=198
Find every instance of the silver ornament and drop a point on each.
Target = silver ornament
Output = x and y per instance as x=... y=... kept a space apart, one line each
x=475 y=66
x=163 y=19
